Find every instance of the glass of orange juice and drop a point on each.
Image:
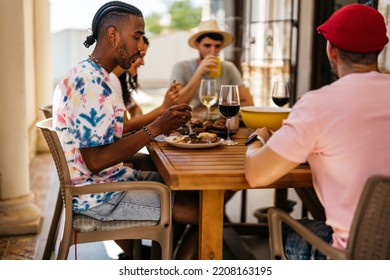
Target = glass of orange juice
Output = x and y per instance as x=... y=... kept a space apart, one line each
x=216 y=72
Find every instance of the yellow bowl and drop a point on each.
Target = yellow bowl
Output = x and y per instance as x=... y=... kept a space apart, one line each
x=271 y=117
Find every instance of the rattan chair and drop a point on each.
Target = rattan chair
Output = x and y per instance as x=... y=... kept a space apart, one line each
x=79 y=229
x=47 y=111
x=49 y=229
x=370 y=231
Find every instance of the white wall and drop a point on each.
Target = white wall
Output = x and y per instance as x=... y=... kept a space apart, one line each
x=68 y=50
x=164 y=51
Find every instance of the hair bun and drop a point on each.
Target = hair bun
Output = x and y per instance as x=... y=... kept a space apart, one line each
x=89 y=41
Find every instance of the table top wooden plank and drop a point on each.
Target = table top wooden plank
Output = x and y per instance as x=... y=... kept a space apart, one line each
x=220 y=167
x=213 y=160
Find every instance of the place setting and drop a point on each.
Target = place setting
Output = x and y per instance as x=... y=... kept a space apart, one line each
x=203 y=140
x=211 y=127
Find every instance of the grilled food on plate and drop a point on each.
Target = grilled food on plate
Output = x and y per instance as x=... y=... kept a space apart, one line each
x=201 y=138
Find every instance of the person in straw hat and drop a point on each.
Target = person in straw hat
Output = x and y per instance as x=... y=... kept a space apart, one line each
x=341 y=129
x=209 y=40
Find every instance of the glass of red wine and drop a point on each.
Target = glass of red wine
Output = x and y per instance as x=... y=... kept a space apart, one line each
x=229 y=106
x=281 y=93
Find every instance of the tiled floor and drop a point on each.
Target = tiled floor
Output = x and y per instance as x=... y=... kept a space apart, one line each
x=43 y=175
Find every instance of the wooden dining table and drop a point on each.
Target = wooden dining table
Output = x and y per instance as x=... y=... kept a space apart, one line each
x=212 y=171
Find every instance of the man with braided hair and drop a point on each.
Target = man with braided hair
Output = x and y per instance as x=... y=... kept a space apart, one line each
x=90 y=122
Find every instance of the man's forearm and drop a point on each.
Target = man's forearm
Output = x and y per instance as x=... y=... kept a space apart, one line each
x=101 y=157
x=188 y=91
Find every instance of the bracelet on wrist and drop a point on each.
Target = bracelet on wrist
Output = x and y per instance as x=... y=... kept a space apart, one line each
x=148 y=133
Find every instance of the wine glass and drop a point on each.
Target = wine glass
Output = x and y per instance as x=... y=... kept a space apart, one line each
x=281 y=93
x=208 y=94
x=229 y=106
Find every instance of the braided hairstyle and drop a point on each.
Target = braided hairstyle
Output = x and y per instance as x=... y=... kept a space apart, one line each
x=128 y=82
x=107 y=13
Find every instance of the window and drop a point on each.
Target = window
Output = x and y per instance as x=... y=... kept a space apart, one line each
x=271 y=53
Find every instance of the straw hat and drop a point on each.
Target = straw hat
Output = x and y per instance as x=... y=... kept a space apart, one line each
x=210 y=26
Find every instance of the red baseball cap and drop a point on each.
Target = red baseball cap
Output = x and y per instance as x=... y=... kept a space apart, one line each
x=356 y=28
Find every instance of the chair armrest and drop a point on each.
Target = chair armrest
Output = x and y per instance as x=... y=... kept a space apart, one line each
x=119 y=186
x=161 y=189
x=275 y=219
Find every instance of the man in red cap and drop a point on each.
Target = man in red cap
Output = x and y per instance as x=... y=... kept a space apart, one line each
x=341 y=129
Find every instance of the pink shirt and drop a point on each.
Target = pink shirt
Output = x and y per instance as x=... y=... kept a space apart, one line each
x=343 y=131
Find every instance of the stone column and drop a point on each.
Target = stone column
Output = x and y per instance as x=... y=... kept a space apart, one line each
x=18 y=213
x=43 y=65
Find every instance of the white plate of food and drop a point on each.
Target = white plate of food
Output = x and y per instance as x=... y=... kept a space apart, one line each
x=182 y=141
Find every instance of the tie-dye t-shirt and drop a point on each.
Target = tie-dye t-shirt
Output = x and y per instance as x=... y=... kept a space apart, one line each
x=88 y=113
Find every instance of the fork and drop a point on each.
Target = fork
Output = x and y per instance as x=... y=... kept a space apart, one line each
x=191 y=134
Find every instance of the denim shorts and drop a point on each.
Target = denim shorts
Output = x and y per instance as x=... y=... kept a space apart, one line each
x=296 y=248
x=130 y=205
